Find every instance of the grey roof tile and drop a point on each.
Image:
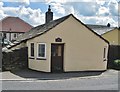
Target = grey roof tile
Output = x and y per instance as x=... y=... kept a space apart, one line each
x=100 y=29
x=39 y=30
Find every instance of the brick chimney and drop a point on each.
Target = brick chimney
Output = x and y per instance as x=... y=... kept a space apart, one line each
x=48 y=15
x=108 y=25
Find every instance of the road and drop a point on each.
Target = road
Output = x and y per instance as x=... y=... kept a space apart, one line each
x=106 y=82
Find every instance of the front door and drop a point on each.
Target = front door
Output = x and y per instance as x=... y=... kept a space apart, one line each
x=57 y=57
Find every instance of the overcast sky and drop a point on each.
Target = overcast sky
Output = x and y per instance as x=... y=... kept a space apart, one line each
x=98 y=12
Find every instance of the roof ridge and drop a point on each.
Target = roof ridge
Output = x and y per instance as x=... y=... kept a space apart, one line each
x=110 y=30
x=52 y=21
x=95 y=25
x=7 y=17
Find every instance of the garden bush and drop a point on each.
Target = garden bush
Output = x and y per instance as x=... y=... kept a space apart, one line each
x=116 y=64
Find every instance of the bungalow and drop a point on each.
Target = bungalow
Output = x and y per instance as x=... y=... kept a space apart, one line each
x=64 y=45
x=113 y=37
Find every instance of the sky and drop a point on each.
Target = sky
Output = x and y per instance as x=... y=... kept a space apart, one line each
x=98 y=12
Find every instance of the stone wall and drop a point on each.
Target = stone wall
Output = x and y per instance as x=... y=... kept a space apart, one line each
x=15 y=59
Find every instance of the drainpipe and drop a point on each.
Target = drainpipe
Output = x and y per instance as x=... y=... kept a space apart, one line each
x=3 y=38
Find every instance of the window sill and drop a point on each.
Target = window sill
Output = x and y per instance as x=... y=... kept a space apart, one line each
x=31 y=58
x=105 y=60
x=40 y=58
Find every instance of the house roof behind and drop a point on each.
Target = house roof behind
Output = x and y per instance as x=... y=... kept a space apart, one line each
x=14 y=24
x=100 y=29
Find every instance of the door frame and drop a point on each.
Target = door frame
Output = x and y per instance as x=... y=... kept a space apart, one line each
x=62 y=56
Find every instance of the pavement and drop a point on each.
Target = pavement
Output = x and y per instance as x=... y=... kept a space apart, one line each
x=27 y=74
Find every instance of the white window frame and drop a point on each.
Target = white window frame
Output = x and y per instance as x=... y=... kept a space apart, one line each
x=104 y=53
x=30 y=50
x=37 y=50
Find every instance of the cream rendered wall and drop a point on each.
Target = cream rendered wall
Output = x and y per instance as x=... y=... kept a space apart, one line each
x=83 y=50
x=40 y=65
x=112 y=37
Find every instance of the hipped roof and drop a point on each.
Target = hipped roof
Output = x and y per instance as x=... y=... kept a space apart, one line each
x=13 y=24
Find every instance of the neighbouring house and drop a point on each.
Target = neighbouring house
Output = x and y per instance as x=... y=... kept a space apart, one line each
x=64 y=45
x=111 y=34
x=113 y=37
x=100 y=29
x=12 y=27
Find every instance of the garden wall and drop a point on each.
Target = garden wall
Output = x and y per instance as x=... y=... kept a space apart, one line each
x=15 y=59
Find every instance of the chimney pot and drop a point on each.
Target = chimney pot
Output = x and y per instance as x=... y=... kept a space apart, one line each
x=48 y=15
x=108 y=25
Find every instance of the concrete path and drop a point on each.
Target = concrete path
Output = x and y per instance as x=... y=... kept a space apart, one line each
x=27 y=74
x=10 y=76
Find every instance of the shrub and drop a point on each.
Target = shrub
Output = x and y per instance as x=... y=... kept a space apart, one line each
x=116 y=64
